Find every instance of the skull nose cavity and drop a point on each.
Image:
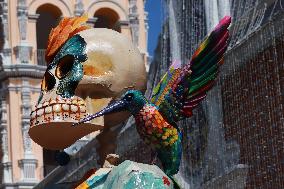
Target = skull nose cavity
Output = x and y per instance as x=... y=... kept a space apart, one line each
x=64 y=66
x=48 y=82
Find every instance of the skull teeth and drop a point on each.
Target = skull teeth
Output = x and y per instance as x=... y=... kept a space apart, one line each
x=65 y=107
x=81 y=102
x=74 y=108
x=61 y=101
x=40 y=112
x=82 y=109
x=48 y=110
x=57 y=112
x=57 y=108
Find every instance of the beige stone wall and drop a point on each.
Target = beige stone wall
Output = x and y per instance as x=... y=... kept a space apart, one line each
x=67 y=8
x=21 y=72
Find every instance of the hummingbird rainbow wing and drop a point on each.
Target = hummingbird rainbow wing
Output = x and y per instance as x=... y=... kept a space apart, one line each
x=181 y=89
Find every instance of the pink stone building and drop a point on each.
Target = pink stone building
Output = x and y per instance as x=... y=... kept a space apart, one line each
x=25 y=25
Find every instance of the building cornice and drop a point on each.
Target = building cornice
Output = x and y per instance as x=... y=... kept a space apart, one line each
x=92 y=20
x=22 y=70
x=30 y=184
x=5 y=90
x=124 y=22
x=33 y=16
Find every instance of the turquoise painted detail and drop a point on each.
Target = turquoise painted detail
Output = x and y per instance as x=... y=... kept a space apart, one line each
x=144 y=180
x=137 y=103
x=97 y=181
x=115 y=174
x=75 y=47
x=171 y=156
x=132 y=175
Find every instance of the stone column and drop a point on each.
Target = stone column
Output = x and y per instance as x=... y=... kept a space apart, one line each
x=79 y=8
x=28 y=164
x=148 y=58
x=22 y=18
x=146 y=24
x=134 y=21
x=6 y=161
x=6 y=53
x=23 y=51
x=32 y=20
x=91 y=21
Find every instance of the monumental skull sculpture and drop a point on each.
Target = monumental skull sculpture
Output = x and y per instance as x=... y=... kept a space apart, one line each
x=87 y=68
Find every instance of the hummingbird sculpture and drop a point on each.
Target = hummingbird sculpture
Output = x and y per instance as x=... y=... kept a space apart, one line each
x=174 y=98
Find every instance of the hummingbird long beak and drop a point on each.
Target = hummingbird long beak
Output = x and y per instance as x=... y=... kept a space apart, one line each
x=115 y=106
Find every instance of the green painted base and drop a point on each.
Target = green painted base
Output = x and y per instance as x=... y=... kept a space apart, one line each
x=129 y=175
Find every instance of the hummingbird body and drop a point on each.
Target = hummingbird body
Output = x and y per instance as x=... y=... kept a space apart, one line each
x=154 y=129
x=161 y=136
x=180 y=90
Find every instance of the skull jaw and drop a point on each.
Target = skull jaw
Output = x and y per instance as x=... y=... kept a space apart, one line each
x=52 y=118
x=60 y=135
x=52 y=129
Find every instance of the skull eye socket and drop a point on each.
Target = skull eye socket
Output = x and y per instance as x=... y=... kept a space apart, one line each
x=48 y=82
x=64 y=66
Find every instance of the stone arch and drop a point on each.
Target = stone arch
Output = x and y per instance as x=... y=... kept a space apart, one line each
x=115 y=6
x=49 y=17
x=60 y=4
x=107 y=18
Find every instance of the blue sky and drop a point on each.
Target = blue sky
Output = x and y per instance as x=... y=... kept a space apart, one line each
x=153 y=7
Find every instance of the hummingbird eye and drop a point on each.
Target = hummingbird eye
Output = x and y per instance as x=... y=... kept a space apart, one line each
x=129 y=97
